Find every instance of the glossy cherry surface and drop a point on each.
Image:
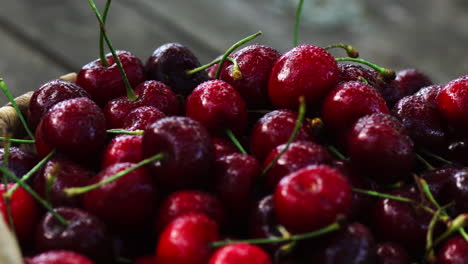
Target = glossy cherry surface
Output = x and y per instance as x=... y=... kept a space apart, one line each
x=452 y=102
x=123 y=148
x=141 y=118
x=392 y=253
x=223 y=147
x=454 y=251
x=239 y=253
x=19 y=161
x=59 y=257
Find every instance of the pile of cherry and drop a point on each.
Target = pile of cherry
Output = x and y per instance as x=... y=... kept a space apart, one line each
x=285 y=158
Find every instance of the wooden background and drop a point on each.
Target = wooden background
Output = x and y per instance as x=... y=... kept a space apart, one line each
x=42 y=39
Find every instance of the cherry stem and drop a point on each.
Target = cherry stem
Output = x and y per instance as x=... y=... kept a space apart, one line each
x=234 y=140
x=102 y=53
x=336 y=152
x=130 y=93
x=34 y=195
x=125 y=132
x=328 y=229
x=425 y=162
x=235 y=71
x=21 y=141
x=297 y=22
x=297 y=126
x=231 y=49
x=430 y=256
x=434 y=156
x=51 y=177
x=350 y=50
x=81 y=190
x=6 y=158
x=7 y=93
x=456 y=225
x=362 y=79
x=387 y=74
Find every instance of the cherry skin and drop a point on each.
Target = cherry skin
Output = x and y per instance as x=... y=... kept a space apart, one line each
x=300 y=154
x=348 y=102
x=311 y=198
x=141 y=118
x=274 y=129
x=263 y=222
x=84 y=234
x=411 y=80
x=144 y=260
x=239 y=253
x=187 y=148
x=169 y=64
x=217 y=105
x=185 y=240
x=457 y=190
x=106 y=83
x=452 y=102
x=126 y=202
x=392 y=253
x=305 y=70
x=354 y=72
x=19 y=161
x=150 y=93
x=379 y=146
x=255 y=62
x=430 y=93
x=186 y=202
x=223 y=147
x=50 y=94
x=123 y=148
x=59 y=257
x=454 y=251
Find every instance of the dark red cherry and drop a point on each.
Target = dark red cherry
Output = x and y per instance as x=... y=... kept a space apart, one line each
x=67 y=174
x=430 y=93
x=392 y=253
x=311 y=198
x=457 y=190
x=454 y=251
x=169 y=64
x=75 y=127
x=187 y=148
x=452 y=102
x=141 y=118
x=48 y=95
x=217 y=105
x=274 y=129
x=123 y=148
x=223 y=147
x=150 y=93
x=348 y=102
x=144 y=260
x=355 y=72
x=379 y=145
x=59 y=257
x=263 y=222
x=457 y=149
x=299 y=155
x=186 y=202
x=240 y=253
x=305 y=70
x=411 y=80
x=128 y=201
x=255 y=62
x=42 y=148
x=24 y=211
x=84 y=234
x=438 y=181
x=19 y=161
x=106 y=83
x=186 y=240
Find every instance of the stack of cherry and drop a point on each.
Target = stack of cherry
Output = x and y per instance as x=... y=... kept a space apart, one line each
x=360 y=179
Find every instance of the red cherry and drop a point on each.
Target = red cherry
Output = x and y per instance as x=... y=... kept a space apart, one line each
x=59 y=257
x=123 y=148
x=305 y=70
x=223 y=147
x=392 y=253
x=20 y=161
x=144 y=260
x=240 y=253
x=452 y=102
x=311 y=198
x=141 y=118
x=454 y=251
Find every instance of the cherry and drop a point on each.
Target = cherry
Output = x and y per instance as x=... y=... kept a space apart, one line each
x=274 y=129
x=354 y=72
x=59 y=257
x=348 y=102
x=454 y=251
x=84 y=234
x=311 y=198
x=150 y=93
x=411 y=80
x=185 y=240
x=19 y=161
x=263 y=222
x=169 y=64
x=239 y=253
x=185 y=202
x=255 y=62
x=457 y=149
x=457 y=190
x=24 y=212
x=58 y=174
x=187 y=148
x=128 y=201
x=392 y=253
x=217 y=105
x=430 y=93
x=104 y=83
x=452 y=102
x=123 y=148
x=141 y=118
x=75 y=127
x=299 y=155
x=50 y=94
x=379 y=145
x=438 y=180
x=305 y=70
x=223 y=147
x=144 y=260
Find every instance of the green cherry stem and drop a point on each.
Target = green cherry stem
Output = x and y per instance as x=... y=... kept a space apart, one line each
x=328 y=229
x=21 y=141
x=130 y=93
x=81 y=190
x=297 y=22
x=235 y=71
x=51 y=177
x=387 y=74
x=231 y=49
x=350 y=50
x=336 y=152
x=297 y=126
x=125 y=132
x=234 y=140
x=430 y=256
x=362 y=79
x=424 y=162
x=102 y=53
x=457 y=224
x=434 y=156
x=7 y=93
